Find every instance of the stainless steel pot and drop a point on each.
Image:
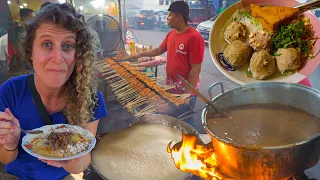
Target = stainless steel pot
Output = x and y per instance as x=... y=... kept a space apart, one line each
x=152 y=119
x=276 y=162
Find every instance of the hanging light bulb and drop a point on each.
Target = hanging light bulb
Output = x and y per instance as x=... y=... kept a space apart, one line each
x=9 y=2
x=21 y=7
x=25 y=4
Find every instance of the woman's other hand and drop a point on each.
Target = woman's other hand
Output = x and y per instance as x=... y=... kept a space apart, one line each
x=9 y=134
x=61 y=164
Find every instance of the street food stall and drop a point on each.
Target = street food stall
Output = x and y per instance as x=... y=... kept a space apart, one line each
x=238 y=146
x=271 y=127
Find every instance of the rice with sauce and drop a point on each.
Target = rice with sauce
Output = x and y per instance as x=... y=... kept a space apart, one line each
x=60 y=143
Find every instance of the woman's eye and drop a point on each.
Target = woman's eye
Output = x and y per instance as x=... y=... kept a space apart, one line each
x=68 y=46
x=47 y=45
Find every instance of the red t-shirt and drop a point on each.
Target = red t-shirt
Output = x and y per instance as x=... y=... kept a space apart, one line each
x=182 y=51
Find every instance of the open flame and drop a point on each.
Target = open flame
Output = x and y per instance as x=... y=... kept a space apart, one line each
x=190 y=155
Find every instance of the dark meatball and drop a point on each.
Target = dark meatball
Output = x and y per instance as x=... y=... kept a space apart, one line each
x=238 y=53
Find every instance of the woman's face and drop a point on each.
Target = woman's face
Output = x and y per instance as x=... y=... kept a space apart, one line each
x=53 y=54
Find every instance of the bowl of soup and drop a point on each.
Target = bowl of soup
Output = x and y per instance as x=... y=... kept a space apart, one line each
x=272 y=130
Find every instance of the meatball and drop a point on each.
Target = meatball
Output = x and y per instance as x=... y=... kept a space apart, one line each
x=259 y=40
x=235 y=31
x=262 y=65
x=238 y=53
x=288 y=60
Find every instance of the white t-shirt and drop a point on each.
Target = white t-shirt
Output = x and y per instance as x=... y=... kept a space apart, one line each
x=4 y=47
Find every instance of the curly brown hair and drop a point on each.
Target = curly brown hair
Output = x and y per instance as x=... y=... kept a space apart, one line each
x=80 y=92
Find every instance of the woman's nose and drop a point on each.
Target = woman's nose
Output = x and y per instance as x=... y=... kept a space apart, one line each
x=57 y=56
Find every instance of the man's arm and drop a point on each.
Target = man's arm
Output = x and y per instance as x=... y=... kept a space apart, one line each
x=196 y=53
x=193 y=76
x=151 y=53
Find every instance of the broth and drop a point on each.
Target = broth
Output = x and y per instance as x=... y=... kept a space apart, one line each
x=264 y=125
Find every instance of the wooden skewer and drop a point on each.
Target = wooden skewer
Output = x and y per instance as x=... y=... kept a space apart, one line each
x=135 y=105
x=147 y=108
x=167 y=87
x=117 y=85
x=110 y=77
x=108 y=72
x=99 y=62
x=144 y=113
x=128 y=97
x=122 y=81
x=116 y=89
x=138 y=100
x=147 y=73
x=114 y=80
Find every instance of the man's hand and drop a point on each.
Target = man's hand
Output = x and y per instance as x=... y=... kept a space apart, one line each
x=134 y=56
x=193 y=77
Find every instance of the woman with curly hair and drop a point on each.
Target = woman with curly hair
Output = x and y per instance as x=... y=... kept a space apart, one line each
x=59 y=48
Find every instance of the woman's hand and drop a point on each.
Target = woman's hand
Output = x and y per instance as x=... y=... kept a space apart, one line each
x=9 y=134
x=62 y=164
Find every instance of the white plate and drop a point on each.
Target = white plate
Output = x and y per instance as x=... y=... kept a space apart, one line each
x=54 y=128
x=217 y=44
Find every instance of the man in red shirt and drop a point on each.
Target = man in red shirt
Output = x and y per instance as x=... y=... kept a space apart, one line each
x=185 y=51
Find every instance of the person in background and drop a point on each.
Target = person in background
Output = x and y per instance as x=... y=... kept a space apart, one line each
x=185 y=50
x=3 y=58
x=59 y=47
x=26 y=16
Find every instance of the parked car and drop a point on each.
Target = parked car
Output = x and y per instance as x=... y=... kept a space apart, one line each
x=131 y=17
x=163 y=18
x=198 y=15
x=205 y=27
x=146 y=19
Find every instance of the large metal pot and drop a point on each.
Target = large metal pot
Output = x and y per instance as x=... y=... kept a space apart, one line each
x=276 y=162
x=147 y=119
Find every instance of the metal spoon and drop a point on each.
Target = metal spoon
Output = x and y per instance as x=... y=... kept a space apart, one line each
x=308 y=6
x=25 y=131
x=203 y=98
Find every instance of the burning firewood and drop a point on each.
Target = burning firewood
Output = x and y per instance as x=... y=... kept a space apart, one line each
x=191 y=155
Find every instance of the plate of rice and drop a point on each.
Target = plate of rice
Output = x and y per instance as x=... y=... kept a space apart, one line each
x=59 y=142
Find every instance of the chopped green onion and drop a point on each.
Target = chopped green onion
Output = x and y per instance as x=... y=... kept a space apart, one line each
x=288 y=71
